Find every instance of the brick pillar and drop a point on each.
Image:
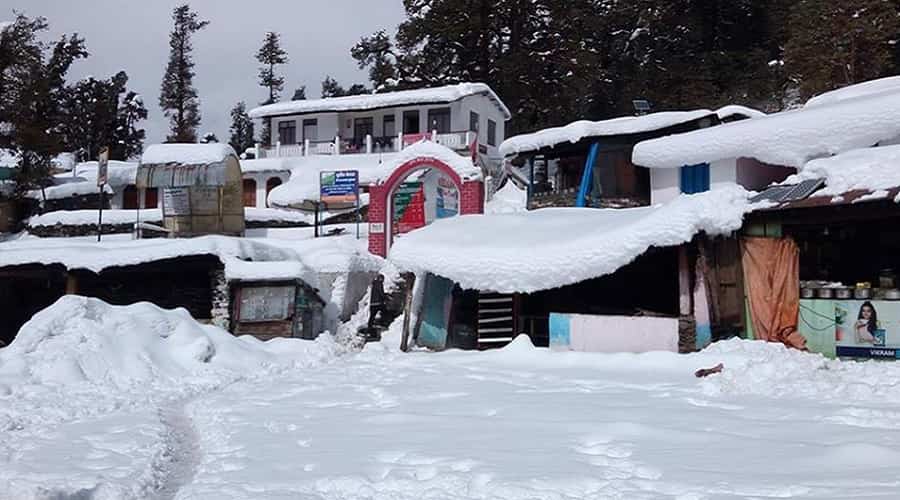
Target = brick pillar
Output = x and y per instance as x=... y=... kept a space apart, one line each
x=377 y=219
x=472 y=198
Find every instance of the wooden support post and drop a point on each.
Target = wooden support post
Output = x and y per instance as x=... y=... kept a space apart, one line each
x=71 y=284
x=407 y=312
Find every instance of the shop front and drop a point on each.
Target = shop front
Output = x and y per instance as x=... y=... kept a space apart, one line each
x=845 y=281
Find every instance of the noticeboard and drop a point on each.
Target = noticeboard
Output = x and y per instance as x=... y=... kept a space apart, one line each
x=176 y=201
x=339 y=187
x=103 y=167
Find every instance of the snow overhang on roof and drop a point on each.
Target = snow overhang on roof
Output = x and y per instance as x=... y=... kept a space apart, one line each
x=262 y=165
x=578 y=130
x=187 y=154
x=437 y=95
x=856 y=176
x=789 y=138
x=550 y=248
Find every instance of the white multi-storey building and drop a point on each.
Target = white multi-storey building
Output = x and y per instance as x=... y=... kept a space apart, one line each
x=459 y=116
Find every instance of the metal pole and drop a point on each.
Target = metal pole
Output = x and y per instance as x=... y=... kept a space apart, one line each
x=316 y=221
x=100 y=215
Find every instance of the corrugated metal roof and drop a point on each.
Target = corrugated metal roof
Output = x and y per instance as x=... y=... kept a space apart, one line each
x=174 y=175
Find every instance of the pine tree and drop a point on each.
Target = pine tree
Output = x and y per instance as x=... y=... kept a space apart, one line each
x=377 y=53
x=103 y=113
x=178 y=97
x=299 y=94
x=241 y=129
x=331 y=88
x=34 y=86
x=833 y=44
x=270 y=55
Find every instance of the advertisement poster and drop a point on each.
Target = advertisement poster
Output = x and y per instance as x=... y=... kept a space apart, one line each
x=409 y=207
x=340 y=187
x=447 y=198
x=866 y=328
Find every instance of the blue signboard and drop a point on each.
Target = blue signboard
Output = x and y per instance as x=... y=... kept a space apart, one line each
x=340 y=187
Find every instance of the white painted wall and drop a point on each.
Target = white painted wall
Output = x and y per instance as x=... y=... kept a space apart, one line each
x=665 y=185
x=722 y=172
x=261 y=179
x=330 y=124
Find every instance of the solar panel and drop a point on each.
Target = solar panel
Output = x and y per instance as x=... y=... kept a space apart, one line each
x=773 y=194
x=803 y=190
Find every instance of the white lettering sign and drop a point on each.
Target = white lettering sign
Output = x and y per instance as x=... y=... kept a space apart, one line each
x=376 y=227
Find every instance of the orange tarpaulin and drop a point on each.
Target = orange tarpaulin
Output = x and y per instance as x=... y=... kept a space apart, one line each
x=772 y=278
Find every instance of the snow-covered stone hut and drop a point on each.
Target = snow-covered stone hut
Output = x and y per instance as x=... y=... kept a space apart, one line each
x=201 y=187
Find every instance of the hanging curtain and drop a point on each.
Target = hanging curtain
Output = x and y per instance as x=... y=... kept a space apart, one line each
x=772 y=280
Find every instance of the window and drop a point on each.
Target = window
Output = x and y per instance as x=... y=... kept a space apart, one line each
x=271 y=184
x=311 y=130
x=439 y=119
x=473 y=121
x=250 y=192
x=271 y=303
x=390 y=126
x=287 y=132
x=695 y=178
x=411 y=122
x=492 y=133
x=362 y=127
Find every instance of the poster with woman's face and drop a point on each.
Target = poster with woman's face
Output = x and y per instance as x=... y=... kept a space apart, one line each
x=865 y=325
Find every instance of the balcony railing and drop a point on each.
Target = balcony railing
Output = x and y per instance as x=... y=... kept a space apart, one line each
x=462 y=142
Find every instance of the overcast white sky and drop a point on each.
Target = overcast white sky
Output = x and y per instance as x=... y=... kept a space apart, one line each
x=133 y=36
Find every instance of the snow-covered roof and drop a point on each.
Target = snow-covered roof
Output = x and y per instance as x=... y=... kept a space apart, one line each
x=265 y=165
x=304 y=182
x=87 y=216
x=74 y=254
x=237 y=269
x=870 y=88
x=119 y=173
x=448 y=93
x=75 y=187
x=789 y=138
x=869 y=169
x=553 y=247
x=576 y=131
x=187 y=154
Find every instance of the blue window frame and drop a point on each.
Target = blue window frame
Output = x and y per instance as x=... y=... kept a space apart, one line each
x=695 y=178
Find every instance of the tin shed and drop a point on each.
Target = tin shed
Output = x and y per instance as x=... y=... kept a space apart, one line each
x=200 y=186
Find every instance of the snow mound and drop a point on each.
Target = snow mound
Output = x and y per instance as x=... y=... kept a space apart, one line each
x=80 y=339
x=774 y=370
x=870 y=169
x=548 y=248
x=187 y=154
x=509 y=199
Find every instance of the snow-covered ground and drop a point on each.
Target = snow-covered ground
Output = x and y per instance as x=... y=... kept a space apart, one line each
x=109 y=402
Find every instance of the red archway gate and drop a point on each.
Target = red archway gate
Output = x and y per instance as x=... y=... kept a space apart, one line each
x=471 y=198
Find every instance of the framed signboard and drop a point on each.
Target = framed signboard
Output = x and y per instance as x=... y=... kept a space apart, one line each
x=867 y=328
x=176 y=201
x=339 y=187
